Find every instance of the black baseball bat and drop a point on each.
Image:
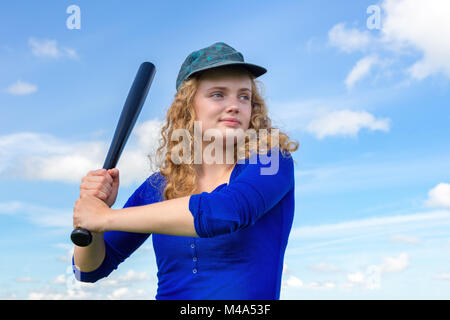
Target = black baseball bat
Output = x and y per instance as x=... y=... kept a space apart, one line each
x=131 y=109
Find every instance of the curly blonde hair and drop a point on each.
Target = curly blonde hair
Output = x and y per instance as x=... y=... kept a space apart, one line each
x=181 y=179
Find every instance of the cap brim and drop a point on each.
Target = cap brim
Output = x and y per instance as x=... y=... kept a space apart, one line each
x=252 y=68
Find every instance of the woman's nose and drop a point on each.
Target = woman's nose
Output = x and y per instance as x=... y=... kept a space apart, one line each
x=233 y=104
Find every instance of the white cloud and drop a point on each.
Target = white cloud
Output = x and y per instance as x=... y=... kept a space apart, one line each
x=148 y=135
x=357 y=277
x=395 y=264
x=400 y=238
x=348 y=40
x=44 y=48
x=60 y=279
x=370 y=278
x=324 y=267
x=374 y=173
x=293 y=282
x=46 y=158
x=321 y=285
x=408 y=27
x=44 y=295
x=332 y=239
x=50 y=48
x=115 y=286
x=39 y=215
x=71 y=53
x=119 y=293
x=26 y=280
x=21 y=88
x=422 y=26
x=346 y=123
x=373 y=225
x=126 y=293
x=361 y=69
x=133 y=276
x=67 y=257
x=357 y=240
x=294 y=115
x=37 y=156
x=439 y=196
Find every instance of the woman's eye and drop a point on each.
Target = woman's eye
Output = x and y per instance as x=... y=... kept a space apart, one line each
x=219 y=94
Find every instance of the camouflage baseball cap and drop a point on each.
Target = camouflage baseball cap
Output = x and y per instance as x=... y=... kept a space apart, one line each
x=216 y=55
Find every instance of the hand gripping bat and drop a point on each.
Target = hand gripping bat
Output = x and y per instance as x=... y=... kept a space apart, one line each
x=131 y=109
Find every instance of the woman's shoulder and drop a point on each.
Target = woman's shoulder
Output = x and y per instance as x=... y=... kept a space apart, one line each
x=271 y=159
x=262 y=168
x=150 y=190
x=156 y=179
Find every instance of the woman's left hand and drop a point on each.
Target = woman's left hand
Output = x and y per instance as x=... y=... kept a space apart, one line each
x=91 y=213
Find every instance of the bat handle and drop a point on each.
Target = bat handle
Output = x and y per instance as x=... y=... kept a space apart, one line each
x=81 y=237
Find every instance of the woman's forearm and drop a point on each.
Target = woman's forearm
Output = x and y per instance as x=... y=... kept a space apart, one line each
x=171 y=217
x=91 y=257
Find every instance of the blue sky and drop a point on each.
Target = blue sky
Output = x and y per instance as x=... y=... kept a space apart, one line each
x=368 y=105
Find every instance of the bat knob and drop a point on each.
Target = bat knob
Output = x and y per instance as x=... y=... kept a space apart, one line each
x=81 y=237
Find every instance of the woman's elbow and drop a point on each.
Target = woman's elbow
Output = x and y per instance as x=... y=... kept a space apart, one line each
x=217 y=227
x=90 y=277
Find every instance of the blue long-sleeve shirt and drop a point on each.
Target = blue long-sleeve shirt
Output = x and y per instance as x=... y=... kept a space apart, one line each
x=243 y=230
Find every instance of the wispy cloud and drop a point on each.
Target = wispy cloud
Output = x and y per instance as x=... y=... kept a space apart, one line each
x=373 y=174
x=50 y=49
x=408 y=27
x=115 y=286
x=26 y=280
x=324 y=267
x=349 y=39
x=121 y=284
x=37 y=156
x=39 y=215
x=401 y=238
x=370 y=277
x=21 y=88
x=347 y=243
x=294 y=282
x=302 y=115
x=44 y=48
x=345 y=123
x=361 y=69
x=372 y=226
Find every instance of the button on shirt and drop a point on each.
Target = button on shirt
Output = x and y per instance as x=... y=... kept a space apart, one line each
x=243 y=230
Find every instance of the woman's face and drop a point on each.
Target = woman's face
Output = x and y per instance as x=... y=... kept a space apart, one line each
x=224 y=94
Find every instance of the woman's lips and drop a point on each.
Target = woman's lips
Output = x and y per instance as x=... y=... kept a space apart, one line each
x=231 y=123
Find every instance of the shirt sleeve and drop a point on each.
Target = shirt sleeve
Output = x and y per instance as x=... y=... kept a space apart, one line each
x=119 y=245
x=257 y=189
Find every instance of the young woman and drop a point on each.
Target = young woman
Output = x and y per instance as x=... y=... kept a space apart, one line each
x=220 y=228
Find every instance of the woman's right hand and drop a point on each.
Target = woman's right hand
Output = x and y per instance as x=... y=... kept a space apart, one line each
x=101 y=183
